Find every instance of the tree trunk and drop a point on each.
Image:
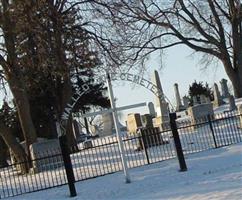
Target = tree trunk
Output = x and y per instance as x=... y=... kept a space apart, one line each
x=14 y=74
x=235 y=76
x=3 y=154
x=23 y=108
x=16 y=148
x=237 y=86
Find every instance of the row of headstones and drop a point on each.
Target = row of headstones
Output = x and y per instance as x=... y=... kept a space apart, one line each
x=136 y=121
x=202 y=106
x=200 y=111
x=219 y=98
x=202 y=99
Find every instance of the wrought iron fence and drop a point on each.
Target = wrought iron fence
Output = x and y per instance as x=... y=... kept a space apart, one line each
x=101 y=156
x=49 y=174
x=210 y=132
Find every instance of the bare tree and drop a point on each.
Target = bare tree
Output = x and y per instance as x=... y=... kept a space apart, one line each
x=138 y=28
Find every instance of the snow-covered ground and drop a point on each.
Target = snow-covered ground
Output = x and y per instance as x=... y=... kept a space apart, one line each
x=159 y=181
x=212 y=174
x=225 y=107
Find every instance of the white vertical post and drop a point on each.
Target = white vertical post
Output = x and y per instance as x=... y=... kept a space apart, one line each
x=120 y=142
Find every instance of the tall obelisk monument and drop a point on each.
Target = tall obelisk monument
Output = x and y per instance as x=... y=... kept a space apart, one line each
x=162 y=109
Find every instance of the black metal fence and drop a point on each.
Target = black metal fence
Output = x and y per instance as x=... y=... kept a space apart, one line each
x=101 y=156
x=210 y=132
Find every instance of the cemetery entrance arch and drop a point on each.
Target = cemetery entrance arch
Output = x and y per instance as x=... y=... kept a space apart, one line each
x=113 y=77
x=85 y=89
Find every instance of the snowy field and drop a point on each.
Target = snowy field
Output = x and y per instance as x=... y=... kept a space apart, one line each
x=213 y=174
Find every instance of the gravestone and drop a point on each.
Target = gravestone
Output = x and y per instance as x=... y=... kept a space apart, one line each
x=133 y=122
x=185 y=102
x=200 y=112
x=179 y=106
x=147 y=121
x=23 y=144
x=161 y=123
x=208 y=100
x=203 y=99
x=150 y=137
x=232 y=105
x=218 y=101
x=195 y=101
x=46 y=155
x=162 y=109
x=151 y=109
x=224 y=88
x=108 y=124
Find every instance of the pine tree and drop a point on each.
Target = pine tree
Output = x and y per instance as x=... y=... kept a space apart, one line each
x=197 y=89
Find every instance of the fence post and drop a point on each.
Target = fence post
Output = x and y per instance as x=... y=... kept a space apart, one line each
x=179 y=151
x=68 y=165
x=144 y=143
x=212 y=131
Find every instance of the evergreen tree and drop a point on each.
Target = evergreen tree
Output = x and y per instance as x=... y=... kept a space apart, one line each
x=197 y=89
x=44 y=45
x=61 y=61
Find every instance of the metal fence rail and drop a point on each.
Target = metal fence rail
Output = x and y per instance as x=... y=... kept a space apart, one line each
x=13 y=183
x=103 y=157
x=210 y=132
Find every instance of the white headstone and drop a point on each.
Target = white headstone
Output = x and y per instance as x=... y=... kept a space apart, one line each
x=108 y=124
x=200 y=111
x=185 y=102
x=195 y=101
x=203 y=99
x=217 y=97
x=179 y=105
x=161 y=105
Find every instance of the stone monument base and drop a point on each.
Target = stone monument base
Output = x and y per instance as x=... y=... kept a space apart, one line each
x=46 y=155
x=199 y=113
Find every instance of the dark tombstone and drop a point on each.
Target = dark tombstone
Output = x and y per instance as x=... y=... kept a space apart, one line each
x=150 y=137
x=232 y=105
x=147 y=121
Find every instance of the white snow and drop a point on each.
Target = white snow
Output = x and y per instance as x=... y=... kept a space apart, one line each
x=212 y=174
x=225 y=107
